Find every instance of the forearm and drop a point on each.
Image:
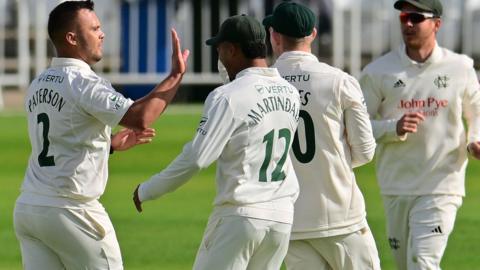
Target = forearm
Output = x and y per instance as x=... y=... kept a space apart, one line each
x=174 y=176
x=472 y=116
x=474 y=130
x=362 y=154
x=359 y=135
x=165 y=182
x=147 y=109
x=386 y=131
x=167 y=89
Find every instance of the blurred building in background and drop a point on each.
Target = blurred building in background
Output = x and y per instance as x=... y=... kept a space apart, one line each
x=137 y=43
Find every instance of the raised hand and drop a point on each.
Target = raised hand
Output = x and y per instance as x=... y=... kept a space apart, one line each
x=127 y=138
x=179 y=58
x=409 y=123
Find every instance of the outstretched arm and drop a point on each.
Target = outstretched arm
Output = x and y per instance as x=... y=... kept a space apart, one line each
x=213 y=134
x=146 y=110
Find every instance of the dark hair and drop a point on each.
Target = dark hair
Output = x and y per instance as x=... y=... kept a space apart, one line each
x=255 y=49
x=62 y=17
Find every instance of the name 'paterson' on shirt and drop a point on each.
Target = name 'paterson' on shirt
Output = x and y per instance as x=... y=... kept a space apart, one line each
x=272 y=104
x=47 y=96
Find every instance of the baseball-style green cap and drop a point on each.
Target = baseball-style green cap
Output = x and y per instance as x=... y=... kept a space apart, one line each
x=291 y=19
x=433 y=6
x=241 y=29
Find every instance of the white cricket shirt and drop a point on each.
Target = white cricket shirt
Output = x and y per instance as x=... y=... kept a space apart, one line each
x=334 y=135
x=70 y=113
x=445 y=87
x=248 y=126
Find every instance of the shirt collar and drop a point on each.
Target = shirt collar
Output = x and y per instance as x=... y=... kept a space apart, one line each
x=263 y=71
x=296 y=55
x=63 y=62
x=407 y=61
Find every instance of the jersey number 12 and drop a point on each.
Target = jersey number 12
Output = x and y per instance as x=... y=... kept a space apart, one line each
x=277 y=174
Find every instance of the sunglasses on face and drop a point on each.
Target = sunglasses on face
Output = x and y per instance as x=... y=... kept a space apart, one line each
x=415 y=17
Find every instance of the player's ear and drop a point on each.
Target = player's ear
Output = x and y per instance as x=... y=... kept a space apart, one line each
x=274 y=36
x=313 y=35
x=71 y=38
x=232 y=49
x=438 y=23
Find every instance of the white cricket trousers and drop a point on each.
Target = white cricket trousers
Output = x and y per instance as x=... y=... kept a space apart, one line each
x=353 y=251
x=54 y=238
x=418 y=228
x=239 y=243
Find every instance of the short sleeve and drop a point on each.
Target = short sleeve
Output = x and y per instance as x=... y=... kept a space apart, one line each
x=98 y=98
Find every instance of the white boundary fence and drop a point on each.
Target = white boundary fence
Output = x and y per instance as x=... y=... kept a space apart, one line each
x=137 y=44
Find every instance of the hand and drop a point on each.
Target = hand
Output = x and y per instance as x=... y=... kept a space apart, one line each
x=127 y=138
x=179 y=58
x=409 y=123
x=136 y=200
x=474 y=149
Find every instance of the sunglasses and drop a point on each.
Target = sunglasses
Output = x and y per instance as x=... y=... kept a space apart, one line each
x=415 y=17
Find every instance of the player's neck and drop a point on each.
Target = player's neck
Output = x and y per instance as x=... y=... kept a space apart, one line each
x=65 y=53
x=248 y=63
x=421 y=54
x=304 y=48
x=258 y=62
x=301 y=47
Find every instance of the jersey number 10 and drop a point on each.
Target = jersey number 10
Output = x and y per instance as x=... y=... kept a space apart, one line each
x=307 y=156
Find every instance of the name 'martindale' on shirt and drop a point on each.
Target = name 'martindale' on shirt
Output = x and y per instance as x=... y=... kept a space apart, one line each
x=247 y=126
x=273 y=102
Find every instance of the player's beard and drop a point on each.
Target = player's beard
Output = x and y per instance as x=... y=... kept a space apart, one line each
x=412 y=43
x=93 y=51
x=96 y=53
x=412 y=39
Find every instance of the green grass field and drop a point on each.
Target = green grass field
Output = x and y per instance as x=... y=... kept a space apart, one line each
x=166 y=235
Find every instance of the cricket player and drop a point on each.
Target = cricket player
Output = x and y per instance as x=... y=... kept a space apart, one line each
x=58 y=219
x=416 y=96
x=330 y=229
x=248 y=126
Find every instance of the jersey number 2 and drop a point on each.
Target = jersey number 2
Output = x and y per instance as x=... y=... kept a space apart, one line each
x=43 y=159
x=277 y=174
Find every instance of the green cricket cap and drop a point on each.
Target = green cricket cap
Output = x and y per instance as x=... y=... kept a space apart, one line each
x=291 y=19
x=433 y=6
x=239 y=29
